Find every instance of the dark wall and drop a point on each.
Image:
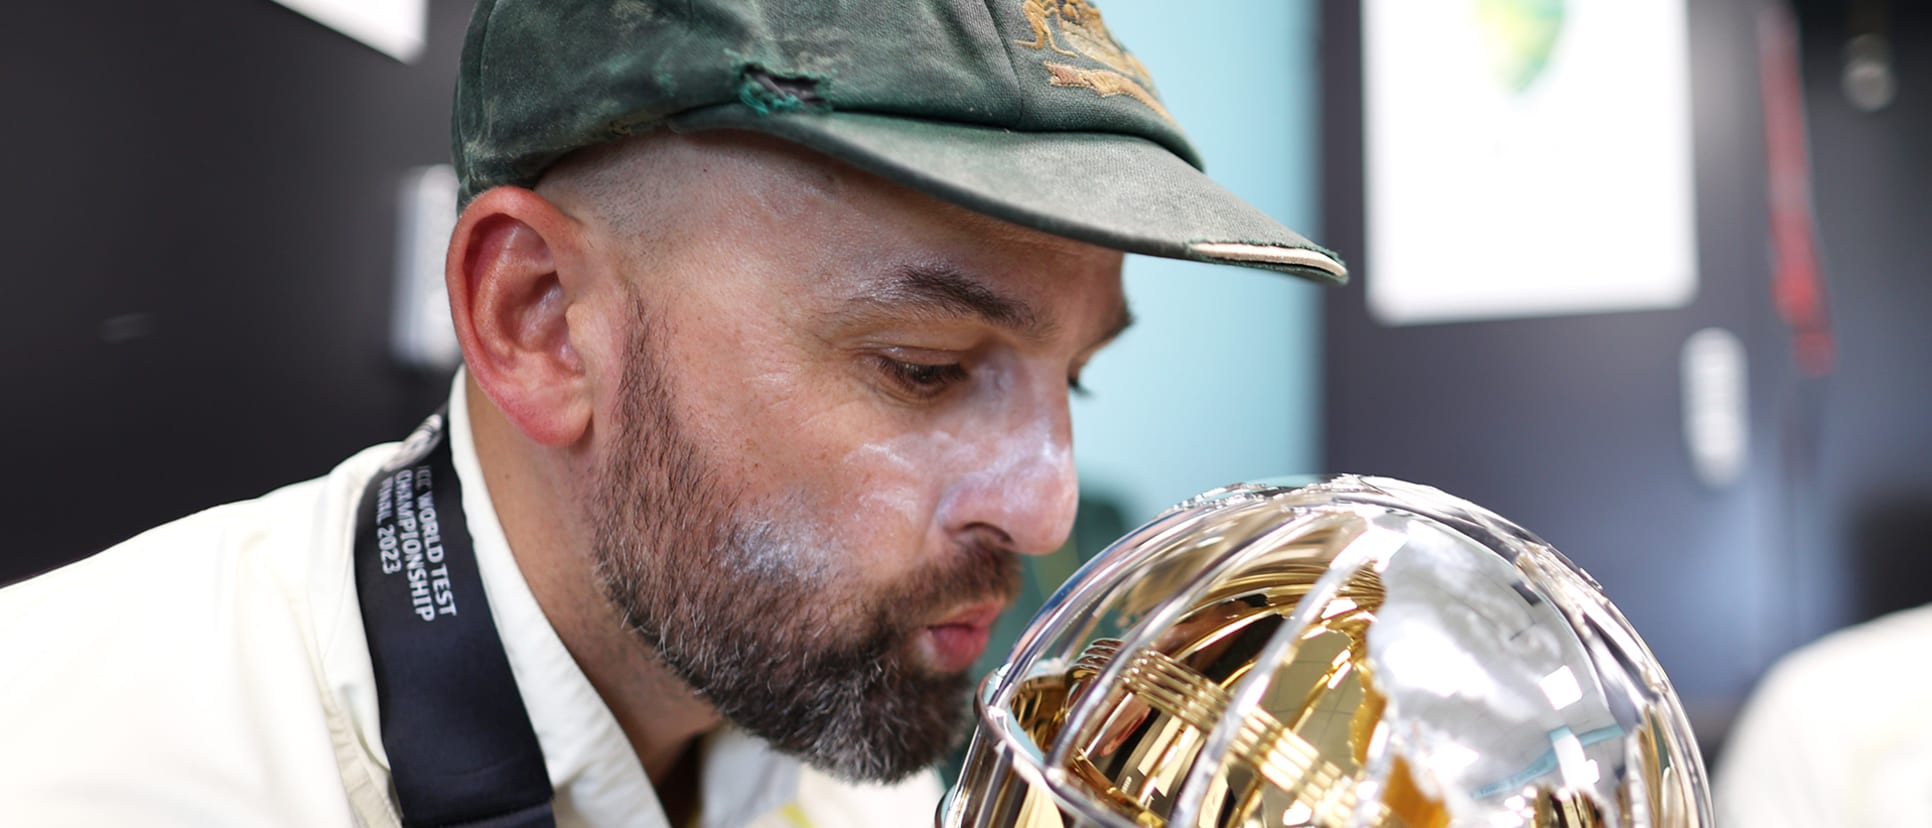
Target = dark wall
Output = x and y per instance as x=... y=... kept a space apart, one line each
x=1872 y=174
x=1572 y=426
x=199 y=242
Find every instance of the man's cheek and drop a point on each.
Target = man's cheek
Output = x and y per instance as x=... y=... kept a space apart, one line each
x=885 y=476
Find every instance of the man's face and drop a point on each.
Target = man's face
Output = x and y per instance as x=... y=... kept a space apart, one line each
x=836 y=409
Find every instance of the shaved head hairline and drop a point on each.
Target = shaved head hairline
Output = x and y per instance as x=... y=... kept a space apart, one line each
x=633 y=184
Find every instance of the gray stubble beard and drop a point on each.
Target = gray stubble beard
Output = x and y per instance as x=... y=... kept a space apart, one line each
x=730 y=604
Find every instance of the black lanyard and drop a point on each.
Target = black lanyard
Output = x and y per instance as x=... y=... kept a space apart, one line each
x=461 y=750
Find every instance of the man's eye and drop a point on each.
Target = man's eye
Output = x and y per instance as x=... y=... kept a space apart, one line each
x=922 y=379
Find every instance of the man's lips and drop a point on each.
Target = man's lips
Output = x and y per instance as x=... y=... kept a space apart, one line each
x=955 y=643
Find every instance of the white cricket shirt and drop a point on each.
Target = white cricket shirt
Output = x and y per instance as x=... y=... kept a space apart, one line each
x=213 y=672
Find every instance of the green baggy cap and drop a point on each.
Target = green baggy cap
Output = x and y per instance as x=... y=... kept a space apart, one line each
x=1025 y=110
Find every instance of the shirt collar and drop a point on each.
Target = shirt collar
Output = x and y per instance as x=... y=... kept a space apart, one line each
x=597 y=776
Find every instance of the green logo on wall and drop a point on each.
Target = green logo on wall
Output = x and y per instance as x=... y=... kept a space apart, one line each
x=1519 y=35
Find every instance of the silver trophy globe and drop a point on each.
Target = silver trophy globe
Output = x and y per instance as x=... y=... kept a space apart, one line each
x=1356 y=652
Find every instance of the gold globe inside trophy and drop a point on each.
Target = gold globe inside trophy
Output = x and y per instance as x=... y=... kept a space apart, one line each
x=1356 y=652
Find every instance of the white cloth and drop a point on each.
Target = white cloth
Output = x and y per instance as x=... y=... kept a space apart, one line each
x=1839 y=733
x=213 y=672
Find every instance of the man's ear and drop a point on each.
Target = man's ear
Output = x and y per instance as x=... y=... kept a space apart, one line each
x=511 y=286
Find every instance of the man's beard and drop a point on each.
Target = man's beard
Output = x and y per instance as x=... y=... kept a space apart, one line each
x=749 y=610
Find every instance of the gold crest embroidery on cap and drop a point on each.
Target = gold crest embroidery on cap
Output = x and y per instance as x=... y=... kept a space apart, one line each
x=1078 y=24
x=1106 y=83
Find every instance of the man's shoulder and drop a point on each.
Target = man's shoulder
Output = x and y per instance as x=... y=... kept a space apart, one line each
x=180 y=671
x=209 y=586
x=172 y=561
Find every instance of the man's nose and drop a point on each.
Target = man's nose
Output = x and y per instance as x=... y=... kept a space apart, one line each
x=1024 y=500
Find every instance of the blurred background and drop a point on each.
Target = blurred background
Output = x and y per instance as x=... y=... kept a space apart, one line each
x=1645 y=277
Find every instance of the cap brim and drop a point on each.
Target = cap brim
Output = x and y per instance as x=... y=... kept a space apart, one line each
x=1115 y=191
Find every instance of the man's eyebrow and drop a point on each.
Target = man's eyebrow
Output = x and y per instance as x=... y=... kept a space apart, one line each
x=942 y=292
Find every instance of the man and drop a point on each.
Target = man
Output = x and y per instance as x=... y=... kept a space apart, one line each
x=769 y=314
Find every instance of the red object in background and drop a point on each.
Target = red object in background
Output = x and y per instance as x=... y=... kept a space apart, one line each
x=1797 y=279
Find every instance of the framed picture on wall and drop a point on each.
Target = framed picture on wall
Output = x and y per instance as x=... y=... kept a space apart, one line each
x=1526 y=158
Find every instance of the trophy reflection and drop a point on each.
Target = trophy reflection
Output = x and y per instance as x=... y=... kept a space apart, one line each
x=1356 y=652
